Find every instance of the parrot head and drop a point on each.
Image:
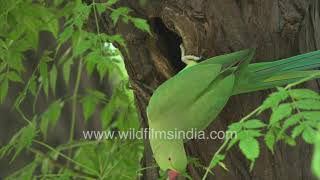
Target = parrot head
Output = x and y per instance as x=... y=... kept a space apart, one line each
x=170 y=156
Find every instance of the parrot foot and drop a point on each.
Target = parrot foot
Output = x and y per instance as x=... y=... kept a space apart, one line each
x=188 y=59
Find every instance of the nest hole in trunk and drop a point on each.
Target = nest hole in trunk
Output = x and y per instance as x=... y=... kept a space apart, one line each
x=168 y=43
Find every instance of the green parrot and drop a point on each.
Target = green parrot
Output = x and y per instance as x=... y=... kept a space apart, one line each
x=194 y=97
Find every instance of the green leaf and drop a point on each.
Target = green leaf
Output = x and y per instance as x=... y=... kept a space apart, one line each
x=248 y=134
x=232 y=142
x=28 y=133
x=52 y=25
x=57 y=2
x=141 y=24
x=102 y=68
x=288 y=140
x=13 y=76
x=111 y=2
x=43 y=68
x=309 y=135
x=91 y=60
x=235 y=127
x=81 y=47
x=311 y=115
x=66 y=70
x=21 y=140
x=33 y=85
x=89 y=106
x=118 y=12
x=50 y=117
x=284 y=110
x=316 y=156
x=253 y=123
x=90 y=102
x=298 y=130
x=45 y=166
x=4 y=86
x=53 y=78
x=28 y=170
x=304 y=94
x=250 y=148
x=292 y=120
x=15 y=61
x=117 y=38
x=106 y=114
x=270 y=140
x=274 y=99
x=66 y=34
x=215 y=161
x=82 y=12
x=308 y=104
x=3 y=44
x=101 y=7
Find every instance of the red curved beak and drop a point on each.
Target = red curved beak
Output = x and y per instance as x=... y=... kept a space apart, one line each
x=173 y=174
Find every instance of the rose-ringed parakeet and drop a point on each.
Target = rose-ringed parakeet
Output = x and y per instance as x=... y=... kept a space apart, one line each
x=193 y=98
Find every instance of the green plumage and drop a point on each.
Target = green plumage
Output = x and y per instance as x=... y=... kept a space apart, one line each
x=194 y=97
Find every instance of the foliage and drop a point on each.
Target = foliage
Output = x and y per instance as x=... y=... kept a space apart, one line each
x=294 y=113
x=22 y=24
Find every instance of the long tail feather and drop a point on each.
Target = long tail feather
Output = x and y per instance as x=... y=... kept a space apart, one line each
x=278 y=73
x=295 y=63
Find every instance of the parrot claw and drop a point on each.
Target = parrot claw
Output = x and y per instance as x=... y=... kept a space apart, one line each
x=188 y=59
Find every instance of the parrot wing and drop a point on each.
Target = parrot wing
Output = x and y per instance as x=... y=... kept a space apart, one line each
x=227 y=60
x=177 y=99
x=178 y=93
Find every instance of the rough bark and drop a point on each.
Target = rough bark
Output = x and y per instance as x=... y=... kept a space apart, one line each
x=276 y=28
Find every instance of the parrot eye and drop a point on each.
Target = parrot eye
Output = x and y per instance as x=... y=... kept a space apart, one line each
x=169 y=158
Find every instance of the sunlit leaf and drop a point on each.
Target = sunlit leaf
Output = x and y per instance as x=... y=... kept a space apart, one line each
x=121 y=11
x=304 y=94
x=274 y=99
x=270 y=140
x=284 y=110
x=101 y=7
x=253 y=123
x=309 y=135
x=298 y=130
x=311 y=115
x=308 y=104
x=292 y=120
x=66 y=34
x=250 y=148
x=141 y=24
x=316 y=156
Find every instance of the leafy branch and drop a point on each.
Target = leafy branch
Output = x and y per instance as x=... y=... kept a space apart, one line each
x=303 y=101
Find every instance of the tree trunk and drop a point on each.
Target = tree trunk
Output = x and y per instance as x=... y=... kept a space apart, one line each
x=276 y=28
